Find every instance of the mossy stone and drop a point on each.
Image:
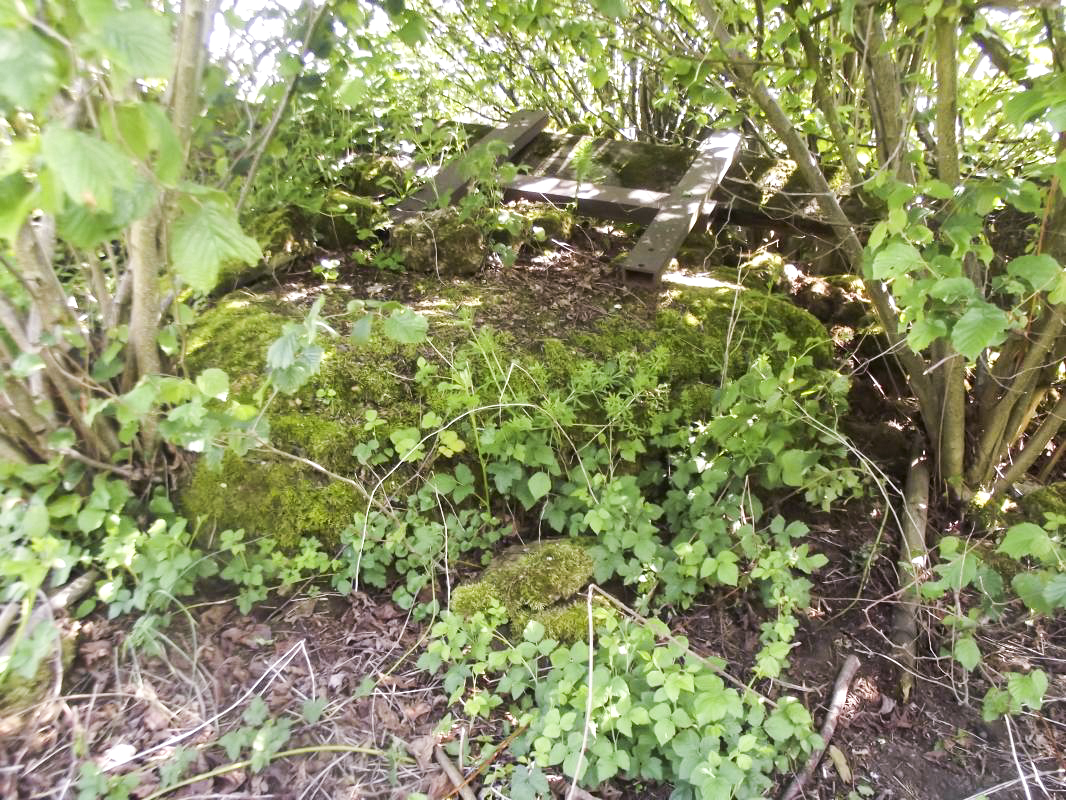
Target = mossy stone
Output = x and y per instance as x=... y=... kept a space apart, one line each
x=270 y=498
x=234 y=336
x=441 y=241
x=533 y=582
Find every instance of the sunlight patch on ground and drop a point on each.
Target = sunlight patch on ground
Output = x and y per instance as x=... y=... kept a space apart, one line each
x=703 y=280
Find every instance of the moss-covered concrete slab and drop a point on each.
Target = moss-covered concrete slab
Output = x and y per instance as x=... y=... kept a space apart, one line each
x=686 y=341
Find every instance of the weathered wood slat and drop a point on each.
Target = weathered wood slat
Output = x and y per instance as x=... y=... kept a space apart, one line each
x=519 y=130
x=606 y=202
x=679 y=212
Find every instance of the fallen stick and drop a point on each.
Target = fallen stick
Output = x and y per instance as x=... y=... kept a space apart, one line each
x=41 y=612
x=484 y=764
x=840 y=696
x=454 y=775
x=560 y=785
x=913 y=557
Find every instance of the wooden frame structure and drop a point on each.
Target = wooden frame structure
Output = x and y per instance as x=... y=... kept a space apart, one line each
x=669 y=216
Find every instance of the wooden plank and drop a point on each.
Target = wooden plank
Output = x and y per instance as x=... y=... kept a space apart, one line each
x=679 y=212
x=606 y=202
x=519 y=130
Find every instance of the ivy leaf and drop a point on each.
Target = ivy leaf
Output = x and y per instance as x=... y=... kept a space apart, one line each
x=1026 y=539
x=89 y=169
x=895 y=260
x=982 y=326
x=204 y=238
x=967 y=653
x=27 y=69
x=539 y=485
x=406 y=327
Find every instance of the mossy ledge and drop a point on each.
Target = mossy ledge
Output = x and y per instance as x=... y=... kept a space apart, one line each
x=534 y=582
x=692 y=336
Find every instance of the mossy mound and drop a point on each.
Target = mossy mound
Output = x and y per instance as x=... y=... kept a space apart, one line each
x=323 y=423
x=1050 y=499
x=700 y=332
x=534 y=582
x=441 y=241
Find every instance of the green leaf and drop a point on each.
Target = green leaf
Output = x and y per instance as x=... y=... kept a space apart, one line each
x=925 y=331
x=794 y=465
x=1055 y=591
x=1028 y=689
x=406 y=327
x=414 y=31
x=967 y=653
x=311 y=710
x=214 y=383
x=137 y=40
x=89 y=169
x=895 y=260
x=34 y=521
x=16 y=202
x=362 y=328
x=953 y=290
x=1026 y=539
x=1030 y=587
x=1041 y=272
x=983 y=326
x=27 y=69
x=728 y=573
x=612 y=9
x=206 y=236
x=539 y=485
x=664 y=730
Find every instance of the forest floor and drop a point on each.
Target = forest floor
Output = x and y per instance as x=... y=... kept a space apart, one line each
x=122 y=705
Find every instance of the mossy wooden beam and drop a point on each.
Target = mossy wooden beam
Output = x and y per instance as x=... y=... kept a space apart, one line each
x=607 y=202
x=679 y=212
x=519 y=130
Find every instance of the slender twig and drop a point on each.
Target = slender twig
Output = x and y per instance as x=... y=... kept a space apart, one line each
x=454 y=775
x=236 y=765
x=840 y=696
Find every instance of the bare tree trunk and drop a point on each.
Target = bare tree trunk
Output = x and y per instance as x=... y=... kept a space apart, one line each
x=147 y=238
